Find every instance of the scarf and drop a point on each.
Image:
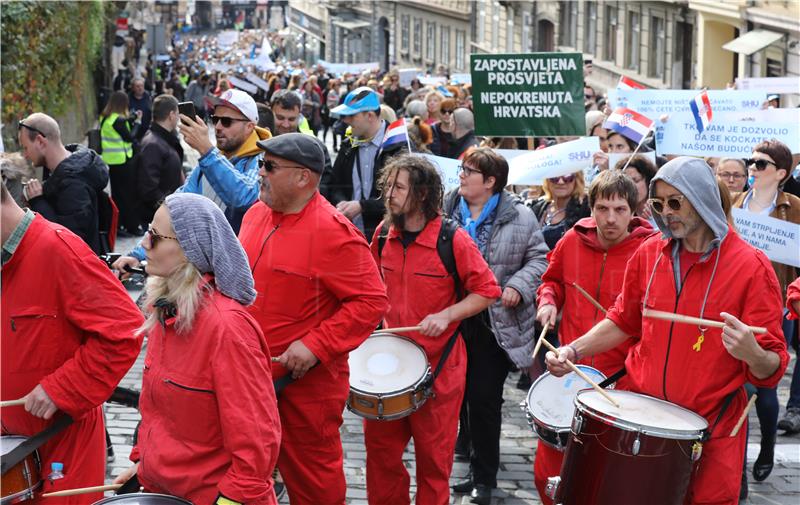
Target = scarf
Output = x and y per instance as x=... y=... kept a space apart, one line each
x=471 y=225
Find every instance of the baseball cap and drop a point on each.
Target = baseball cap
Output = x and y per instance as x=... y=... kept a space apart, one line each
x=239 y=100
x=361 y=99
x=303 y=149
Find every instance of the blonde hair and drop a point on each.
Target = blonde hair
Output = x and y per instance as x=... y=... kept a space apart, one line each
x=182 y=289
x=578 y=192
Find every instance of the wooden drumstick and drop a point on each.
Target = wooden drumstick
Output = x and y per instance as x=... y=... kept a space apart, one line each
x=541 y=337
x=12 y=403
x=680 y=318
x=83 y=490
x=589 y=297
x=740 y=422
x=582 y=375
x=400 y=329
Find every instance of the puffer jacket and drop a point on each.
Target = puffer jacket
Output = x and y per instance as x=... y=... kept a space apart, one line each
x=516 y=253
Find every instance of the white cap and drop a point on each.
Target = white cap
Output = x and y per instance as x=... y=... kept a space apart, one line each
x=239 y=100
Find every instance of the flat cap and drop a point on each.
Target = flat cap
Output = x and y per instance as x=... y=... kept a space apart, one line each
x=303 y=149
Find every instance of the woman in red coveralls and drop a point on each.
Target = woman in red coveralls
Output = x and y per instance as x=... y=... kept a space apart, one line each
x=210 y=429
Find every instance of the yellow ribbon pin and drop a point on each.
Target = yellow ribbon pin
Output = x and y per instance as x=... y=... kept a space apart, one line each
x=697 y=345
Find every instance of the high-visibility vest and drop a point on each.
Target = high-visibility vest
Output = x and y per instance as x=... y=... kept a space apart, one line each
x=115 y=150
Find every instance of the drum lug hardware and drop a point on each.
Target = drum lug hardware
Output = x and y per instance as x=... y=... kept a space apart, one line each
x=552 y=486
x=637 y=444
x=697 y=450
x=380 y=408
x=577 y=424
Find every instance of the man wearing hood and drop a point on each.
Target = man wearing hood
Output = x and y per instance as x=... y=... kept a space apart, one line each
x=74 y=177
x=694 y=268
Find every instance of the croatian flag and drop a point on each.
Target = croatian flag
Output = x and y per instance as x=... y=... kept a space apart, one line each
x=701 y=109
x=629 y=123
x=625 y=83
x=395 y=134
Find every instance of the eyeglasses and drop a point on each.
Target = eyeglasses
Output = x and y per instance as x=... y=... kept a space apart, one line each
x=467 y=171
x=674 y=203
x=589 y=97
x=760 y=164
x=31 y=128
x=269 y=165
x=447 y=111
x=731 y=175
x=226 y=121
x=566 y=179
x=155 y=237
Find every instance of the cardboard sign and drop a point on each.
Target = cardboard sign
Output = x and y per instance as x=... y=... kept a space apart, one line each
x=534 y=167
x=529 y=95
x=780 y=240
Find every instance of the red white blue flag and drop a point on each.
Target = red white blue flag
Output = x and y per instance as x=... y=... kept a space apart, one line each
x=395 y=134
x=626 y=83
x=701 y=109
x=629 y=123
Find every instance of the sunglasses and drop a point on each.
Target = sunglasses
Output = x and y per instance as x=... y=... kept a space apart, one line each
x=566 y=179
x=674 y=203
x=269 y=165
x=447 y=111
x=760 y=164
x=155 y=237
x=226 y=121
x=31 y=128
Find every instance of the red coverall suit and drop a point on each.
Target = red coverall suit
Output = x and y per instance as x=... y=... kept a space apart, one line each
x=316 y=282
x=665 y=361
x=210 y=422
x=418 y=285
x=67 y=324
x=580 y=258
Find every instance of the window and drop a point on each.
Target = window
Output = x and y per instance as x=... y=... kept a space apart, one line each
x=658 y=46
x=634 y=41
x=417 y=36
x=567 y=23
x=430 y=42
x=590 y=28
x=495 y=29
x=461 y=38
x=509 y=29
x=481 y=22
x=611 y=34
x=444 y=46
x=404 y=29
x=527 y=40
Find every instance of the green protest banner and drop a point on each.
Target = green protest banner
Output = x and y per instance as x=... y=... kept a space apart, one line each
x=528 y=95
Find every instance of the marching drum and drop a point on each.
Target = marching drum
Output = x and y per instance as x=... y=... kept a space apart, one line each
x=21 y=480
x=143 y=499
x=549 y=405
x=389 y=377
x=642 y=452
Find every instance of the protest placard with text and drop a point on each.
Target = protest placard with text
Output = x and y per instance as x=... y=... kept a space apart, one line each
x=534 y=167
x=448 y=170
x=530 y=95
x=780 y=240
x=655 y=102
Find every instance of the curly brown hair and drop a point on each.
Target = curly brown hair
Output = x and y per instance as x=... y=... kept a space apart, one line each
x=426 y=191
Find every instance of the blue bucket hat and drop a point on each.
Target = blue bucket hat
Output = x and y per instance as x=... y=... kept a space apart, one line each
x=361 y=99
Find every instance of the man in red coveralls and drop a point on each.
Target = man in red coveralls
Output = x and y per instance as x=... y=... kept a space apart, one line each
x=695 y=269
x=593 y=255
x=422 y=293
x=319 y=295
x=67 y=338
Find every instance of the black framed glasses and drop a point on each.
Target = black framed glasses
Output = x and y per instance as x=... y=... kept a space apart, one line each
x=155 y=237
x=674 y=202
x=31 y=128
x=467 y=171
x=759 y=164
x=225 y=120
x=731 y=175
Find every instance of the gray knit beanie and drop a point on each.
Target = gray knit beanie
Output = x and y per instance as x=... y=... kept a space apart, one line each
x=210 y=244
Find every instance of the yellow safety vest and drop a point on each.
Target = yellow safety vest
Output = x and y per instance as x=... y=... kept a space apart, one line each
x=115 y=150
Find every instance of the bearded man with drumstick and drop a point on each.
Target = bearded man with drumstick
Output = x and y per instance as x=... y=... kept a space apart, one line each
x=698 y=267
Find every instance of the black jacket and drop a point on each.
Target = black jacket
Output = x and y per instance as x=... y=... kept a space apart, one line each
x=574 y=212
x=69 y=194
x=338 y=187
x=459 y=146
x=159 y=168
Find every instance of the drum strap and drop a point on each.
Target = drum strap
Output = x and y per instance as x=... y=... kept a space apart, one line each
x=725 y=404
x=282 y=382
x=613 y=378
x=448 y=347
x=27 y=447
x=131 y=486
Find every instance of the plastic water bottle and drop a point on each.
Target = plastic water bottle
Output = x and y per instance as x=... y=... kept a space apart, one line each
x=56 y=471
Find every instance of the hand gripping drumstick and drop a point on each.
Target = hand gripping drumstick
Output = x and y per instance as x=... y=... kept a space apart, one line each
x=82 y=490
x=582 y=375
x=539 y=342
x=589 y=297
x=739 y=423
x=680 y=318
x=400 y=329
x=12 y=403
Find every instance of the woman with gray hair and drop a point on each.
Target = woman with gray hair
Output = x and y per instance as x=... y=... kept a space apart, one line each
x=210 y=428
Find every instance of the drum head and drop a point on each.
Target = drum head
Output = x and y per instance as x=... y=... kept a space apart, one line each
x=10 y=442
x=644 y=413
x=143 y=499
x=551 y=398
x=386 y=363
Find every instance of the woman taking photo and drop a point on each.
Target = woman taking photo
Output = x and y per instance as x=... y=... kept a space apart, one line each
x=210 y=430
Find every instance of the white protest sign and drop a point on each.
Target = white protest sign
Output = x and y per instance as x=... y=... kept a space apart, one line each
x=510 y=154
x=432 y=80
x=561 y=159
x=614 y=158
x=776 y=85
x=258 y=81
x=780 y=240
x=261 y=62
x=763 y=115
x=655 y=102
x=243 y=85
x=227 y=38
x=407 y=75
x=461 y=78
x=448 y=170
x=732 y=139
x=352 y=68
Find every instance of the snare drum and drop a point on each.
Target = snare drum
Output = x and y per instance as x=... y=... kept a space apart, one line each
x=24 y=478
x=550 y=404
x=642 y=452
x=143 y=499
x=389 y=377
